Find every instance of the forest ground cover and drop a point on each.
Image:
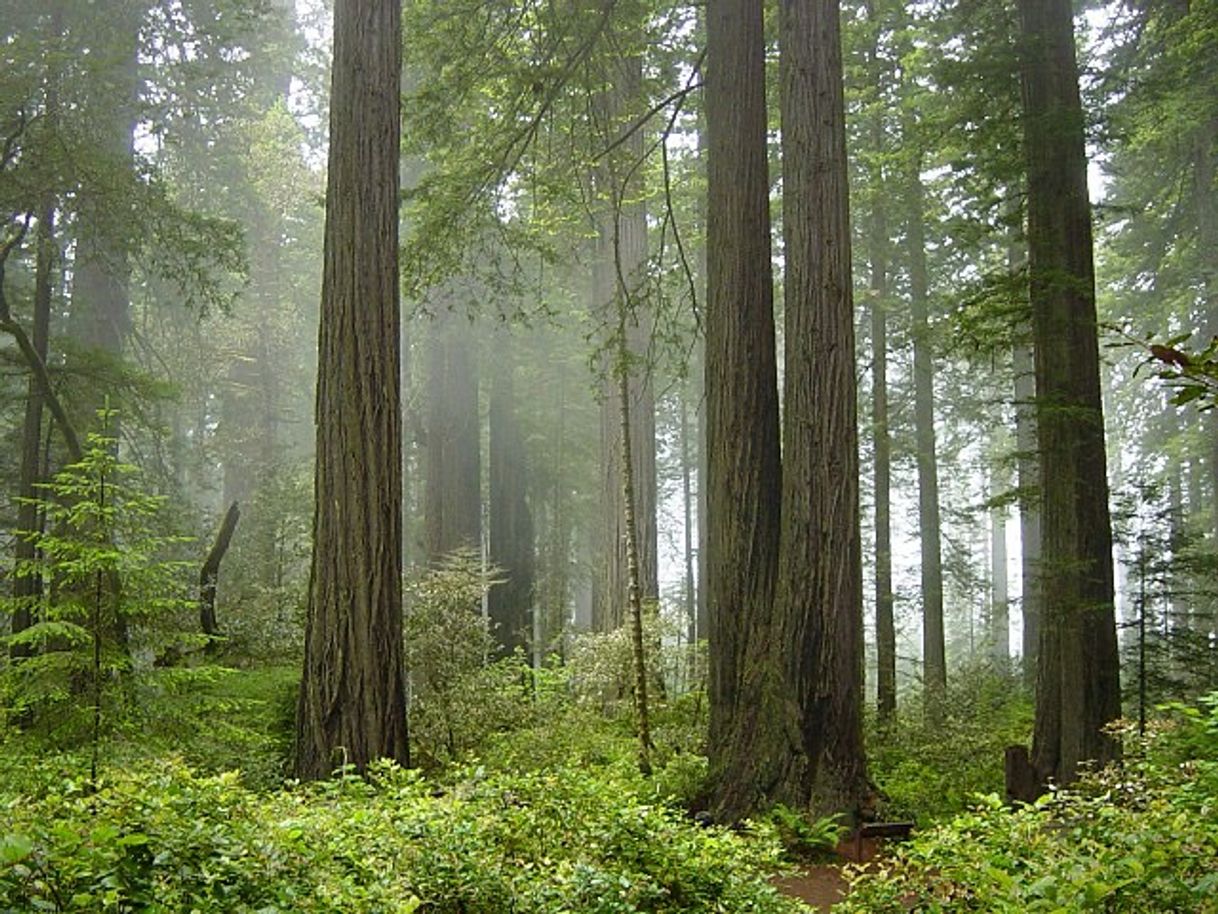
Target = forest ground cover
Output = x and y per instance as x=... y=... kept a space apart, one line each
x=551 y=815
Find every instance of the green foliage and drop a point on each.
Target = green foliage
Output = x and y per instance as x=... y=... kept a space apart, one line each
x=1139 y=837
x=802 y=836
x=562 y=840
x=927 y=770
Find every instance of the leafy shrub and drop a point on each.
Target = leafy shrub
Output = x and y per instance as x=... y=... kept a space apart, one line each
x=1135 y=838
x=458 y=698
x=561 y=840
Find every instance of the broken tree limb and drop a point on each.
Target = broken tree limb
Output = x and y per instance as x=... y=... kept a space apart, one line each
x=210 y=573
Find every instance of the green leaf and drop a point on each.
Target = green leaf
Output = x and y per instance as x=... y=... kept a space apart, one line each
x=14 y=848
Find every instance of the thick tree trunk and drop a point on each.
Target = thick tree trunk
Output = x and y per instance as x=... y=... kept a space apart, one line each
x=511 y=602
x=352 y=707
x=1078 y=688
x=934 y=655
x=453 y=492
x=743 y=471
x=819 y=628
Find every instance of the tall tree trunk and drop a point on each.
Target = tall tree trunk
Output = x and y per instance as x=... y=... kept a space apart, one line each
x=352 y=706
x=743 y=469
x=1078 y=688
x=819 y=630
x=934 y=655
x=511 y=602
x=453 y=492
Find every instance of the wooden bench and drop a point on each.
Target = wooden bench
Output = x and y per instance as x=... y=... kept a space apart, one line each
x=897 y=831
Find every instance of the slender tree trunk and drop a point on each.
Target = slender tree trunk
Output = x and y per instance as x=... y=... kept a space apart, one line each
x=934 y=656
x=1206 y=197
x=1078 y=688
x=820 y=582
x=352 y=706
x=634 y=590
x=743 y=470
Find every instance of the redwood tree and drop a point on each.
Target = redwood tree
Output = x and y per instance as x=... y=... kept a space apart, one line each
x=352 y=705
x=743 y=471
x=820 y=589
x=1078 y=689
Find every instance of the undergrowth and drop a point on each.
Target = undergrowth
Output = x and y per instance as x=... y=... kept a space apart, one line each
x=1138 y=837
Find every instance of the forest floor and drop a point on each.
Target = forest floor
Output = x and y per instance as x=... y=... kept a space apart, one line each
x=821 y=885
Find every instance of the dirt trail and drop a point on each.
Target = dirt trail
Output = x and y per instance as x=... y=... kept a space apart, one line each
x=821 y=885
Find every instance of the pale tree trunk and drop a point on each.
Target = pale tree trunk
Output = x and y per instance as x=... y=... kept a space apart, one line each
x=453 y=487
x=1078 y=689
x=1029 y=504
x=1206 y=198
x=743 y=469
x=352 y=705
x=1000 y=599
